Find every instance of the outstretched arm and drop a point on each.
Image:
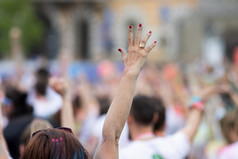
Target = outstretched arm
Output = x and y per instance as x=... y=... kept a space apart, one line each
x=196 y=111
x=121 y=104
x=61 y=86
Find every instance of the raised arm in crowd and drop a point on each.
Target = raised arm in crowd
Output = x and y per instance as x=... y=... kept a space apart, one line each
x=134 y=60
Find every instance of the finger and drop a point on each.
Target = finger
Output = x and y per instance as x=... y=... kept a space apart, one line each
x=144 y=41
x=138 y=34
x=130 y=37
x=149 y=48
x=123 y=52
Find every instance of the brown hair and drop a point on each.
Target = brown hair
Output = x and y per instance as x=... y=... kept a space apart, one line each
x=54 y=144
x=39 y=124
x=228 y=126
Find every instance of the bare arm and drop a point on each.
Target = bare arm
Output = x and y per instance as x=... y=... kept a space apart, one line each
x=121 y=104
x=3 y=145
x=193 y=121
x=3 y=148
x=195 y=114
x=67 y=117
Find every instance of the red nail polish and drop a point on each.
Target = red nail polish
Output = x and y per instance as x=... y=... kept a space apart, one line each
x=150 y=32
x=119 y=50
x=130 y=27
x=155 y=42
x=140 y=25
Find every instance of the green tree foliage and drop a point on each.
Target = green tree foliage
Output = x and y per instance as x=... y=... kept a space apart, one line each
x=19 y=13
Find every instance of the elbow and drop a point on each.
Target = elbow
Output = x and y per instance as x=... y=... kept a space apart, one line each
x=110 y=136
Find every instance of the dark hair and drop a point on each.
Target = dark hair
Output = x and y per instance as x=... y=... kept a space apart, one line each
x=227 y=124
x=41 y=87
x=42 y=73
x=18 y=99
x=236 y=120
x=54 y=144
x=42 y=76
x=160 y=109
x=77 y=102
x=142 y=110
x=104 y=103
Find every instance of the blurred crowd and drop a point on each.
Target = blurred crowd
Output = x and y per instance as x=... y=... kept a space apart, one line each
x=27 y=96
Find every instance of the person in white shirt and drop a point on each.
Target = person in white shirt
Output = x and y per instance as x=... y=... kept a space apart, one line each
x=44 y=100
x=229 y=125
x=146 y=145
x=229 y=152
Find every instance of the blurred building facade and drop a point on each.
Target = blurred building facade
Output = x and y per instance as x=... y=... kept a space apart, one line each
x=93 y=29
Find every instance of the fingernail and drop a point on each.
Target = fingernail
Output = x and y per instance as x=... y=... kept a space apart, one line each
x=155 y=42
x=130 y=27
x=150 y=32
x=140 y=25
x=119 y=50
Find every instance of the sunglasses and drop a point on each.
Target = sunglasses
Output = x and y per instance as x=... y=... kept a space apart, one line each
x=59 y=128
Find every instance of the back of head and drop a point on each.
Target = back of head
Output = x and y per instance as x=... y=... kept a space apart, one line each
x=42 y=76
x=142 y=110
x=54 y=144
x=39 y=124
x=35 y=125
x=18 y=101
x=41 y=87
x=104 y=103
x=236 y=121
x=228 y=126
x=160 y=109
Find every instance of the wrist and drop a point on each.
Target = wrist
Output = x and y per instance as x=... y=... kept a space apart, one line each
x=130 y=74
x=65 y=96
x=196 y=102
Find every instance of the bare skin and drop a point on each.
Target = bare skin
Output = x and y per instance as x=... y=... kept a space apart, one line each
x=3 y=147
x=195 y=115
x=121 y=104
x=60 y=86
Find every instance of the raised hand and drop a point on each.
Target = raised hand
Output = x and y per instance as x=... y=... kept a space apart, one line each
x=137 y=53
x=121 y=103
x=59 y=85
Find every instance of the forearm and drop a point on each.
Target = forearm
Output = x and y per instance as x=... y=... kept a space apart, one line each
x=121 y=103
x=67 y=116
x=3 y=148
x=193 y=121
x=3 y=144
x=120 y=107
x=196 y=111
x=60 y=85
